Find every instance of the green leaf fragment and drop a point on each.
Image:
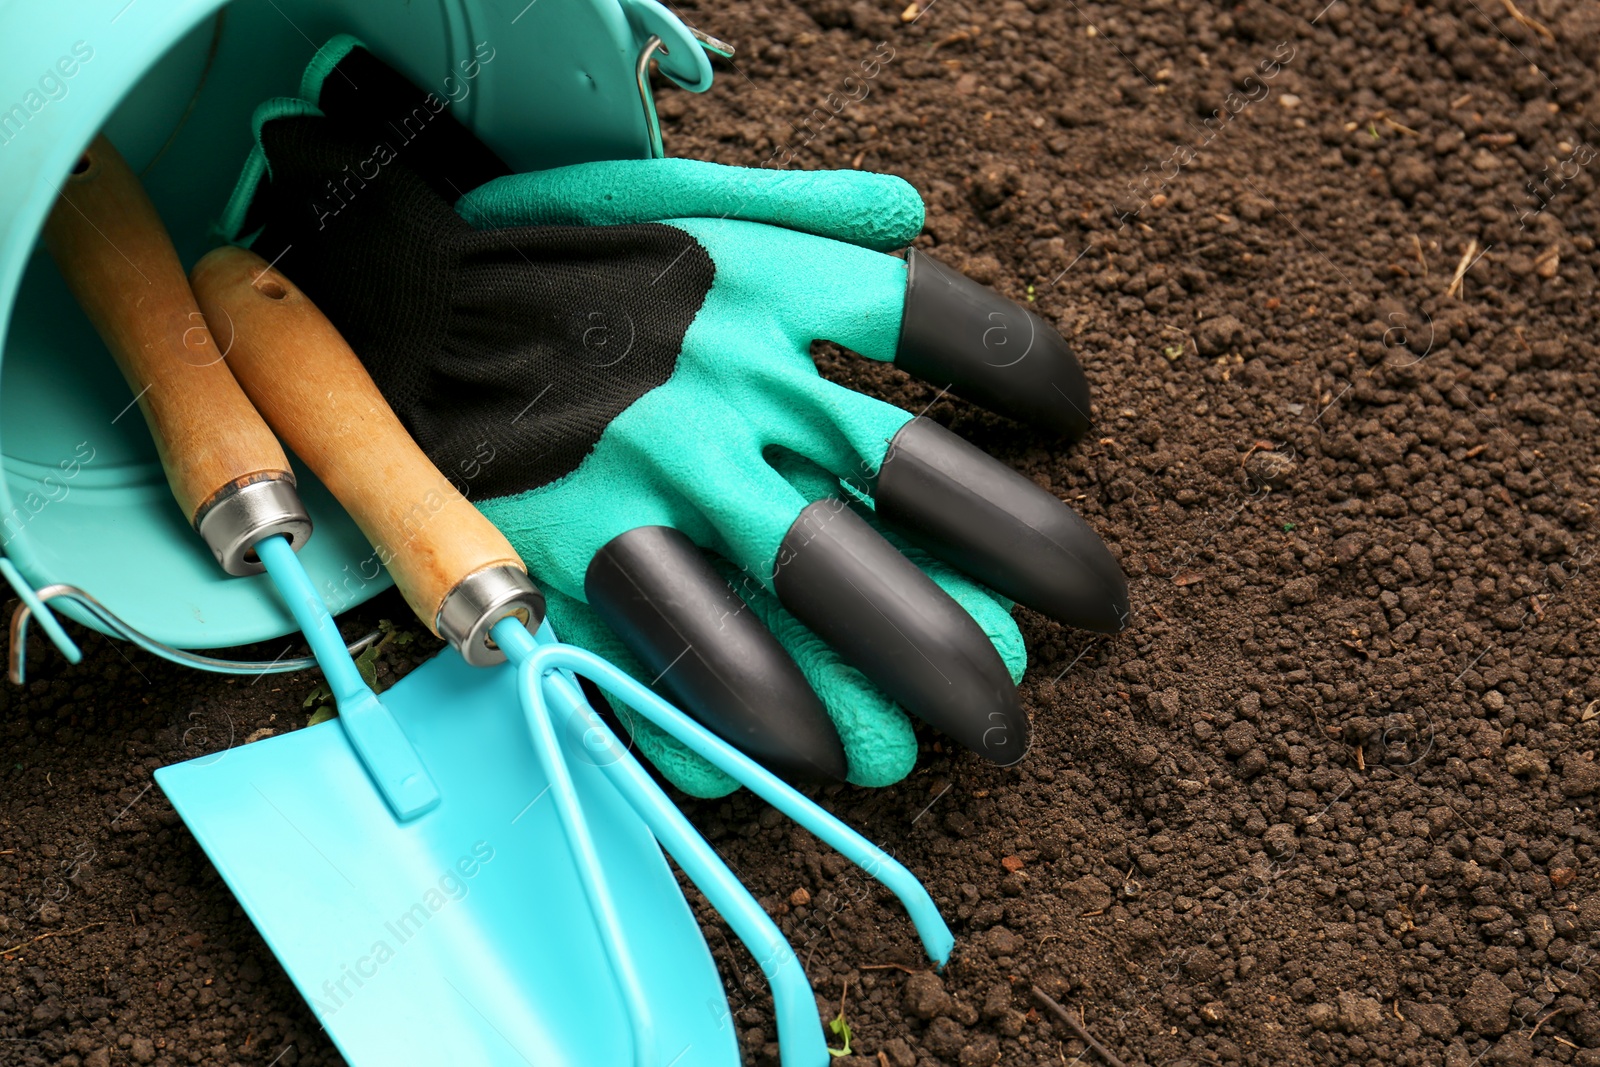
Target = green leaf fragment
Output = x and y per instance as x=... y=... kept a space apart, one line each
x=839 y=1028
x=367 y=664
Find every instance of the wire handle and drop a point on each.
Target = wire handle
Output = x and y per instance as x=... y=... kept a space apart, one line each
x=119 y=628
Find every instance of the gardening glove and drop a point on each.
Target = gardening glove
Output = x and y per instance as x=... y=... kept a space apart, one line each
x=633 y=403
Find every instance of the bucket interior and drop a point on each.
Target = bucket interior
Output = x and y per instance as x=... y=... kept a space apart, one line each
x=88 y=502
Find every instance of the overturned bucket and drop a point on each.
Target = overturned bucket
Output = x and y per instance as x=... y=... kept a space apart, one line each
x=83 y=500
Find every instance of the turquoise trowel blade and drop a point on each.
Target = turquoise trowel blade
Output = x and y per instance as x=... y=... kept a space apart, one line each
x=461 y=937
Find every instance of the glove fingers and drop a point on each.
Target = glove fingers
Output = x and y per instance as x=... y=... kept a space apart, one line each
x=690 y=632
x=878 y=738
x=574 y=622
x=992 y=351
x=967 y=508
x=841 y=579
x=887 y=618
x=954 y=501
x=991 y=612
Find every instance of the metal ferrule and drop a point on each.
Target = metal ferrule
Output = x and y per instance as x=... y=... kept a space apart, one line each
x=239 y=516
x=472 y=608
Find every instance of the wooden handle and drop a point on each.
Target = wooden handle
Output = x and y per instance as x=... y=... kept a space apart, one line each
x=119 y=262
x=315 y=393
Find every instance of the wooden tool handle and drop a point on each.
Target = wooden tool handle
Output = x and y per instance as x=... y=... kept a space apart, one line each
x=119 y=262
x=315 y=393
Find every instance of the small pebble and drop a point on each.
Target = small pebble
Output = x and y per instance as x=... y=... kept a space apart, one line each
x=1270 y=468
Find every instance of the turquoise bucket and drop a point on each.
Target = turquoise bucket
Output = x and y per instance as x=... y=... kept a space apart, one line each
x=83 y=500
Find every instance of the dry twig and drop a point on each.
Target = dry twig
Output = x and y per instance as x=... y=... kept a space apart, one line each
x=1467 y=259
x=1540 y=1024
x=1514 y=12
x=1076 y=1027
x=956 y=38
x=41 y=937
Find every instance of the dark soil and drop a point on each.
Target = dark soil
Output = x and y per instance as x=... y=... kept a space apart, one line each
x=1332 y=796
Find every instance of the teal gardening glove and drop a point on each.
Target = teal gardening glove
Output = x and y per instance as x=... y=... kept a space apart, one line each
x=617 y=354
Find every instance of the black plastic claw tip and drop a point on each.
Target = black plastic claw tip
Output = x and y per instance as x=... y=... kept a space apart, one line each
x=962 y=505
x=688 y=627
x=990 y=350
x=888 y=619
